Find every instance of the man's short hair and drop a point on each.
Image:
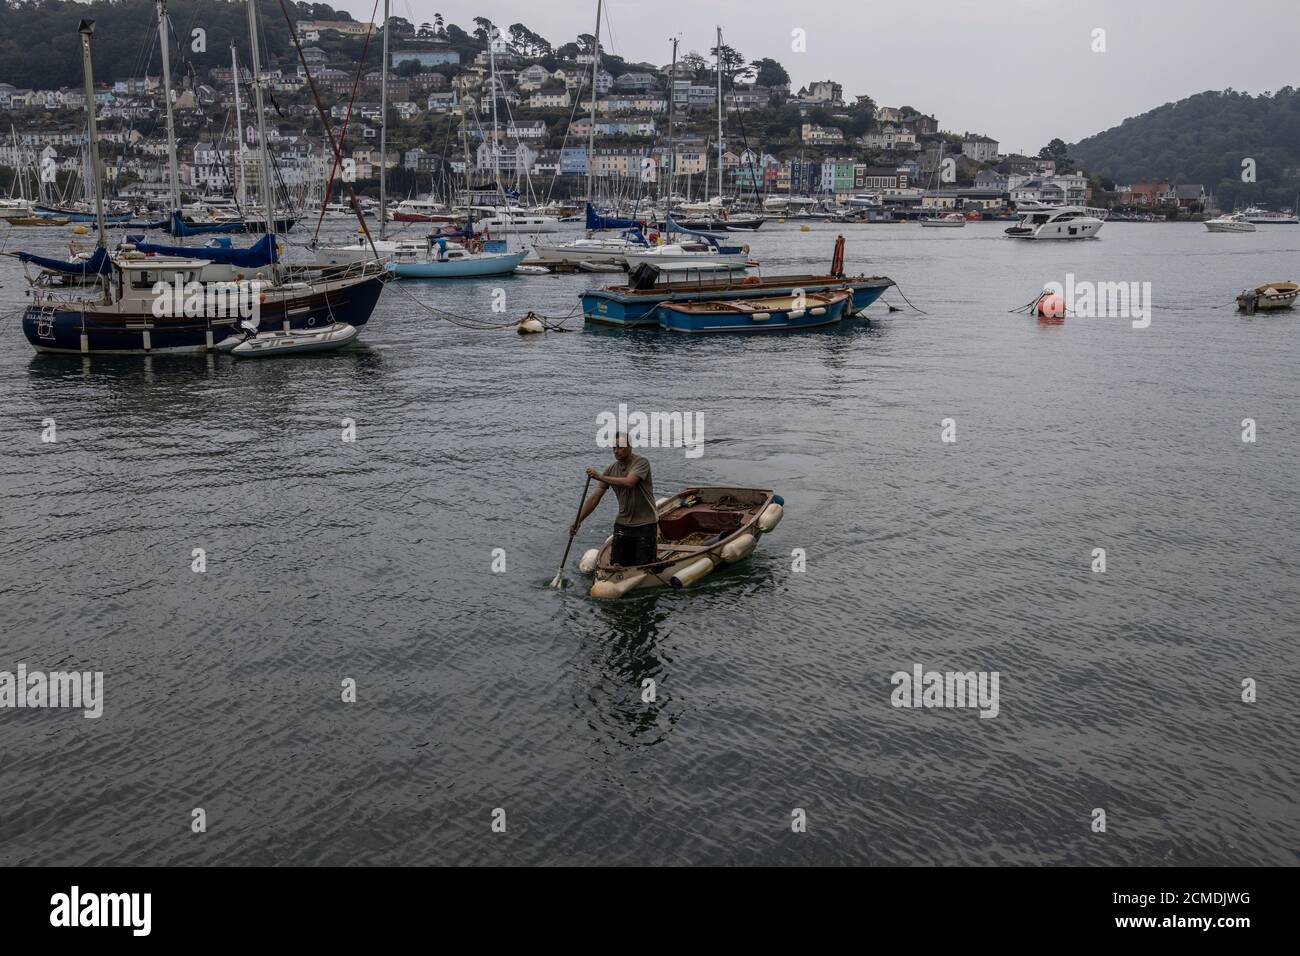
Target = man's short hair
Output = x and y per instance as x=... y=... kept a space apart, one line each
x=620 y=440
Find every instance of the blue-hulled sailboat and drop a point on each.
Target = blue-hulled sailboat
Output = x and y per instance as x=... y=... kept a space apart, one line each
x=179 y=298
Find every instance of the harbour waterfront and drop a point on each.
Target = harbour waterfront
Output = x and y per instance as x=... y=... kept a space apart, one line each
x=372 y=560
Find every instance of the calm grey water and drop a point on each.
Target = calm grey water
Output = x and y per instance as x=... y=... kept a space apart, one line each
x=477 y=690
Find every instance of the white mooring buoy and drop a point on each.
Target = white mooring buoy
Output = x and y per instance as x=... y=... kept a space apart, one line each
x=529 y=324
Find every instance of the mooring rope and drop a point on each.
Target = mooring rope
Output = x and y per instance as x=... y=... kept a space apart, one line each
x=899 y=290
x=1031 y=307
x=551 y=323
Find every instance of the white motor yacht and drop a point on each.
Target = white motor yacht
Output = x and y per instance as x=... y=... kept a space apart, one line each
x=1270 y=217
x=1235 y=222
x=1056 y=222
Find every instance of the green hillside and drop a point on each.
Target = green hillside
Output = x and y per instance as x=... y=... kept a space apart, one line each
x=1204 y=139
x=39 y=46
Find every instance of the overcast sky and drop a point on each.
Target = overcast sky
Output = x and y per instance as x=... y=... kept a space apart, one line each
x=1021 y=71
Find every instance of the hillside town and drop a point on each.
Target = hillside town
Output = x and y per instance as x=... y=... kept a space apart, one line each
x=524 y=112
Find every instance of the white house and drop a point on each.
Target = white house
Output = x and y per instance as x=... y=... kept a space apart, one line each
x=980 y=149
x=550 y=99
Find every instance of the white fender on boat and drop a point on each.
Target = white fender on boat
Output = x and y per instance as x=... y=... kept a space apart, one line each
x=607 y=589
x=588 y=563
x=770 y=518
x=688 y=575
x=660 y=502
x=739 y=549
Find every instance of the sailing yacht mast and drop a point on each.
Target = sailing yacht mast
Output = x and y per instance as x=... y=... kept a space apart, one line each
x=672 y=148
x=239 y=128
x=496 y=143
x=268 y=194
x=591 y=136
x=383 y=133
x=719 y=115
x=20 y=174
x=173 y=181
x=87 y=30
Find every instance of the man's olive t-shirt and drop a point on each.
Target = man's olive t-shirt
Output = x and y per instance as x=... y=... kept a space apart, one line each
x=636 y=505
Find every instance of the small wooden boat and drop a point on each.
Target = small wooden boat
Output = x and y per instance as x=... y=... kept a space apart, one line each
x=700 y=529
x=326 y=338
x=1269 y=296
x=36 y=221
x=788 y=312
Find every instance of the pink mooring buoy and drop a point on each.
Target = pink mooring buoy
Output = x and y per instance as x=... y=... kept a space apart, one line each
x=1051 y=306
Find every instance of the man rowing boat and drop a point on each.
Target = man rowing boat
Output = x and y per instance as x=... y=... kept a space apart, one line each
x=636 y=527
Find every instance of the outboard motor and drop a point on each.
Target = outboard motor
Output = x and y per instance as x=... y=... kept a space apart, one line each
x=643 y=277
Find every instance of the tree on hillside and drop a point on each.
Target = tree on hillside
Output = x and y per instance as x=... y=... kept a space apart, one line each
x=768 y=72
x=693 y=62
x=462 y=42
x=1057 y=151
x=527 y=43
x=734 y=66
x=484 y=30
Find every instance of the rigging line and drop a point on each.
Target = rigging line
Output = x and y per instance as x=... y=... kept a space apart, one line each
x=293 y=35
x=347 y=120
x=563 y=143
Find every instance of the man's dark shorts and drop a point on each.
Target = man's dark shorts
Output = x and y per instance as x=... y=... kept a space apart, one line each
x=634 y=545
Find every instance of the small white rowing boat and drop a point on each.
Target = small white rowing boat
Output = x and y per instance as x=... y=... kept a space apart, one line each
x=336 y=335
x=1269 y=296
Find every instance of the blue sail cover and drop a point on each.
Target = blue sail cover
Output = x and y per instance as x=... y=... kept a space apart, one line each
x=260 y=253
x=671 y=226
x=97 y=264
x=595 y=221
x=75 y=216
x=179 y=227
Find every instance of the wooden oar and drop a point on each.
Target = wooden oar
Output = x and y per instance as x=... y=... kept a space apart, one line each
x=558 y=580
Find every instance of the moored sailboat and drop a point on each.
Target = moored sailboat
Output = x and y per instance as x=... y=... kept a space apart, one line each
x=148 y=301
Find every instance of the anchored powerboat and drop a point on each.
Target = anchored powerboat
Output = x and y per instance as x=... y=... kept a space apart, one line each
x=1271 y=217
x=1235 y=222
x=1056 y=222
x=1269 y=296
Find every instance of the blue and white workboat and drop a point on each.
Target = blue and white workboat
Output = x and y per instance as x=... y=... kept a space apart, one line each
x=637 y=304
x=786 y=313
